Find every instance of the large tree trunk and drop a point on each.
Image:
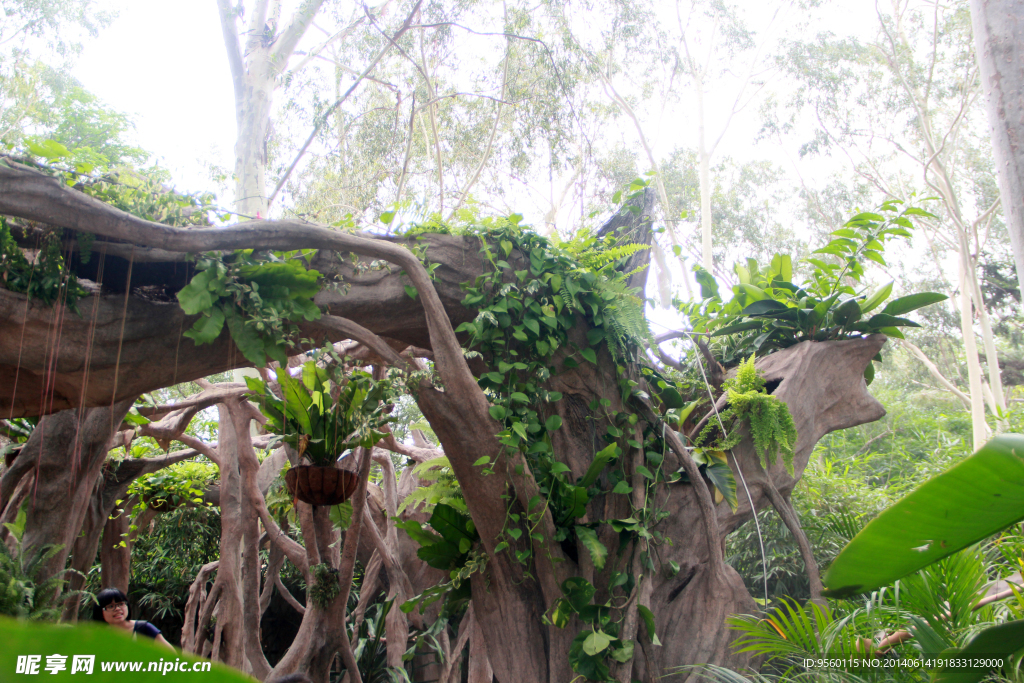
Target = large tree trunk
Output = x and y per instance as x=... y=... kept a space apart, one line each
x=999 y=42
x=65 y=455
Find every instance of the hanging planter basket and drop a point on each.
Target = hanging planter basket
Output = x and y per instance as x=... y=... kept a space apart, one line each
x=320 y=485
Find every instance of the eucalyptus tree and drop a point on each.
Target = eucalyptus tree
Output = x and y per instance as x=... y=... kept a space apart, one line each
x=657 y=64
x=747 y=199
x=904 y=110
x=999 y=39
x=259 y=64
x=474 y=106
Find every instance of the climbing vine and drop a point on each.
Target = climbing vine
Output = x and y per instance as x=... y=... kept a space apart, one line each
x=531 y=308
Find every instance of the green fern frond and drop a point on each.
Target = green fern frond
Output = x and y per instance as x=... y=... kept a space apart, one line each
x=443 y=487
x=771 y=425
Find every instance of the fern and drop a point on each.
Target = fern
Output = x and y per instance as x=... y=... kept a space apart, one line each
x=623 y=316
x=24 y=593
x=443 y=487
x=599 y=254
x=771 y=426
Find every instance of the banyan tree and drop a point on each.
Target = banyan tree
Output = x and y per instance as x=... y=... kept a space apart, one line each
x=591 y=542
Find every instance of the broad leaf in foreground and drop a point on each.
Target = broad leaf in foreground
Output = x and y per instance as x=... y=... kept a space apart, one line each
x=975 y=499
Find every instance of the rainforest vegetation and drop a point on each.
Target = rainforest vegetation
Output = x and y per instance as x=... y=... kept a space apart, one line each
x=559 y=342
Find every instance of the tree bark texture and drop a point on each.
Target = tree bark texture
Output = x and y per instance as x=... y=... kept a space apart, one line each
x=999 y=43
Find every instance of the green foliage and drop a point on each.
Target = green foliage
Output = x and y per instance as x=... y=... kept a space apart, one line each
x=441 y=487
x=78 y=120
x=259 y=300
x=179 y=484
x=370 y=647
x=771 y=426
x=529 y=313
x=25 y=590
x=47 y=279
x=769 y=312
x=593 y=645
x=452 y=546
x=321 y=416
x=326 y=586
x=449 y=544
x=937 y=606
x=166 y=559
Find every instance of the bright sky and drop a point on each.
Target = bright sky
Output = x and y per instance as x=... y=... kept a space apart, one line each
x=164 y=64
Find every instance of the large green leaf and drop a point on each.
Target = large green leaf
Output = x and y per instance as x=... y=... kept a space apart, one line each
x=738 y=327
x=877 y=322
x=876 y=299
x=574 y=501
x=290 y=275
x=707 y=282
x=601 y=460
x=721 y=476
x=975 y=499
x=208 y=327
x=764 y=306
x=297 y=400
x=995 y=642
x=109 y=646
x=195 y=297
x=248 y=342
x=418 y=533
x=441 y=555
x=452 y=524
x=906 y=304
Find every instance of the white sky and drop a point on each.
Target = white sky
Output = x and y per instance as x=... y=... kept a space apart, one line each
x=164 y=64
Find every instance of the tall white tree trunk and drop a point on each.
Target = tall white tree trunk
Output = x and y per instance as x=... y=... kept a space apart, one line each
x=707 y=259
x=999 y=43
x=253 y=118
x=991 y=356
x=979 y=427
x=254 y=74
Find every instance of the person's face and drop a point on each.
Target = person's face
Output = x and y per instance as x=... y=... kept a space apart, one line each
x=115 y=612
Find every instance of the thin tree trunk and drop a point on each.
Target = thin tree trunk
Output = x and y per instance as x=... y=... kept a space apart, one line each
x=978 y=424
x=707 y=258
x=115 y=558
x=991 y=356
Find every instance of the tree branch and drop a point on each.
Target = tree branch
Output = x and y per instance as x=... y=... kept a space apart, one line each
x=234 y=48
x=330 y=110
x=284 y=46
